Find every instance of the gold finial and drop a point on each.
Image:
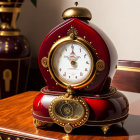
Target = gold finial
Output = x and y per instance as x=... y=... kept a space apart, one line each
x=76 y=3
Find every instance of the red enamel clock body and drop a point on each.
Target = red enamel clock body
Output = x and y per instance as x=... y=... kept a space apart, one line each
x=107 y=109
x=100 y=43
x=97 y=103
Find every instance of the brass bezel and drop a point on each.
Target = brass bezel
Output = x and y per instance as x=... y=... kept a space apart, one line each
x=90 y=50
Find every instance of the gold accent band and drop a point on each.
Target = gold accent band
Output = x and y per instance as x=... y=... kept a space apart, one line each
x=91 y=121
x=7 y=77
x=109 y=120
x=104 y=124
x=7 y=10
x=44 y=62
x=126 y=68
x=43 y=121
x=9 y=33
x=61 y=81
x=112 y=92
x=41 y=116
x=18 y=75
x=9 y=3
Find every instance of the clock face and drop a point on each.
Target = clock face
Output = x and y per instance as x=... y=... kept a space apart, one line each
x=72 y=63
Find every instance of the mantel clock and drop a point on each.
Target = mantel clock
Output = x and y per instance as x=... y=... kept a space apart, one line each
x=77 y=61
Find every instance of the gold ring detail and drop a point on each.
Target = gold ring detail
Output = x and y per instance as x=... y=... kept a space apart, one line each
x=7 y=10
x=100 y=65
x=9 y=3
x=9 y=33
x=44 y=62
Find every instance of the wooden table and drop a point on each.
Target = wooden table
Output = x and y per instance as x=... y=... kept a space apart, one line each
x=16 y=122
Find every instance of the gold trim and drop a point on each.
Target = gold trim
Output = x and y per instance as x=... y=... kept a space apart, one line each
x=94 y=121
x=105 y=124
x=9 y=3
x=100 y=65
x=109 y=120
x=126 y=68
x=7 y=77
x=87 y=46
x=9 y=33
x=38 y=123
x=105 y=128
x=42 y=121
x=110 y=93
x=14 y=59
x=72 y=30
x=68 y=128
x=107 y=95
x=42 y=116
x=14 y=17
x=18 y=73
x=7 y=10
x=44 y=62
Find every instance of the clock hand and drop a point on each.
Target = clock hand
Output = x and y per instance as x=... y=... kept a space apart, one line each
x=72 y=61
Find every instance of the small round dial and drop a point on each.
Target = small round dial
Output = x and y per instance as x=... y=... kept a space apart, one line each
x=72 y=63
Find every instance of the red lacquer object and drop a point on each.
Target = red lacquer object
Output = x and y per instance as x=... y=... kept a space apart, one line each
x=77 y=61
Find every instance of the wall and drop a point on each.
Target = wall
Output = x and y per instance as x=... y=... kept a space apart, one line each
x=119 y=19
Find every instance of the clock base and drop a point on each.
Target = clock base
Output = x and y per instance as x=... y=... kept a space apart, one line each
x=104 y=111
x=104 y=128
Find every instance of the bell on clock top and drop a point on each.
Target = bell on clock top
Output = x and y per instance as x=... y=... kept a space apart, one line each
x=77 y=12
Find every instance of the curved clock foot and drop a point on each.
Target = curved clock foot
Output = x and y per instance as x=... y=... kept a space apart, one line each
x=105 y=129
x=38 y=123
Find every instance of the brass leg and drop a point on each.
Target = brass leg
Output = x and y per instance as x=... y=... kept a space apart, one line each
x=38 y=123
x=105 y=128
x=122 y=122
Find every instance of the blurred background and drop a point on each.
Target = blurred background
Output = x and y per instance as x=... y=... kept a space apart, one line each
x=119 y=19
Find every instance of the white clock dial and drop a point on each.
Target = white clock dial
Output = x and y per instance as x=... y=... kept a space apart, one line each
x=72 y=63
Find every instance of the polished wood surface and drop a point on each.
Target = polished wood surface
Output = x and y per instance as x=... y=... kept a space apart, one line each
x=16 y=121
x=127 y=76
